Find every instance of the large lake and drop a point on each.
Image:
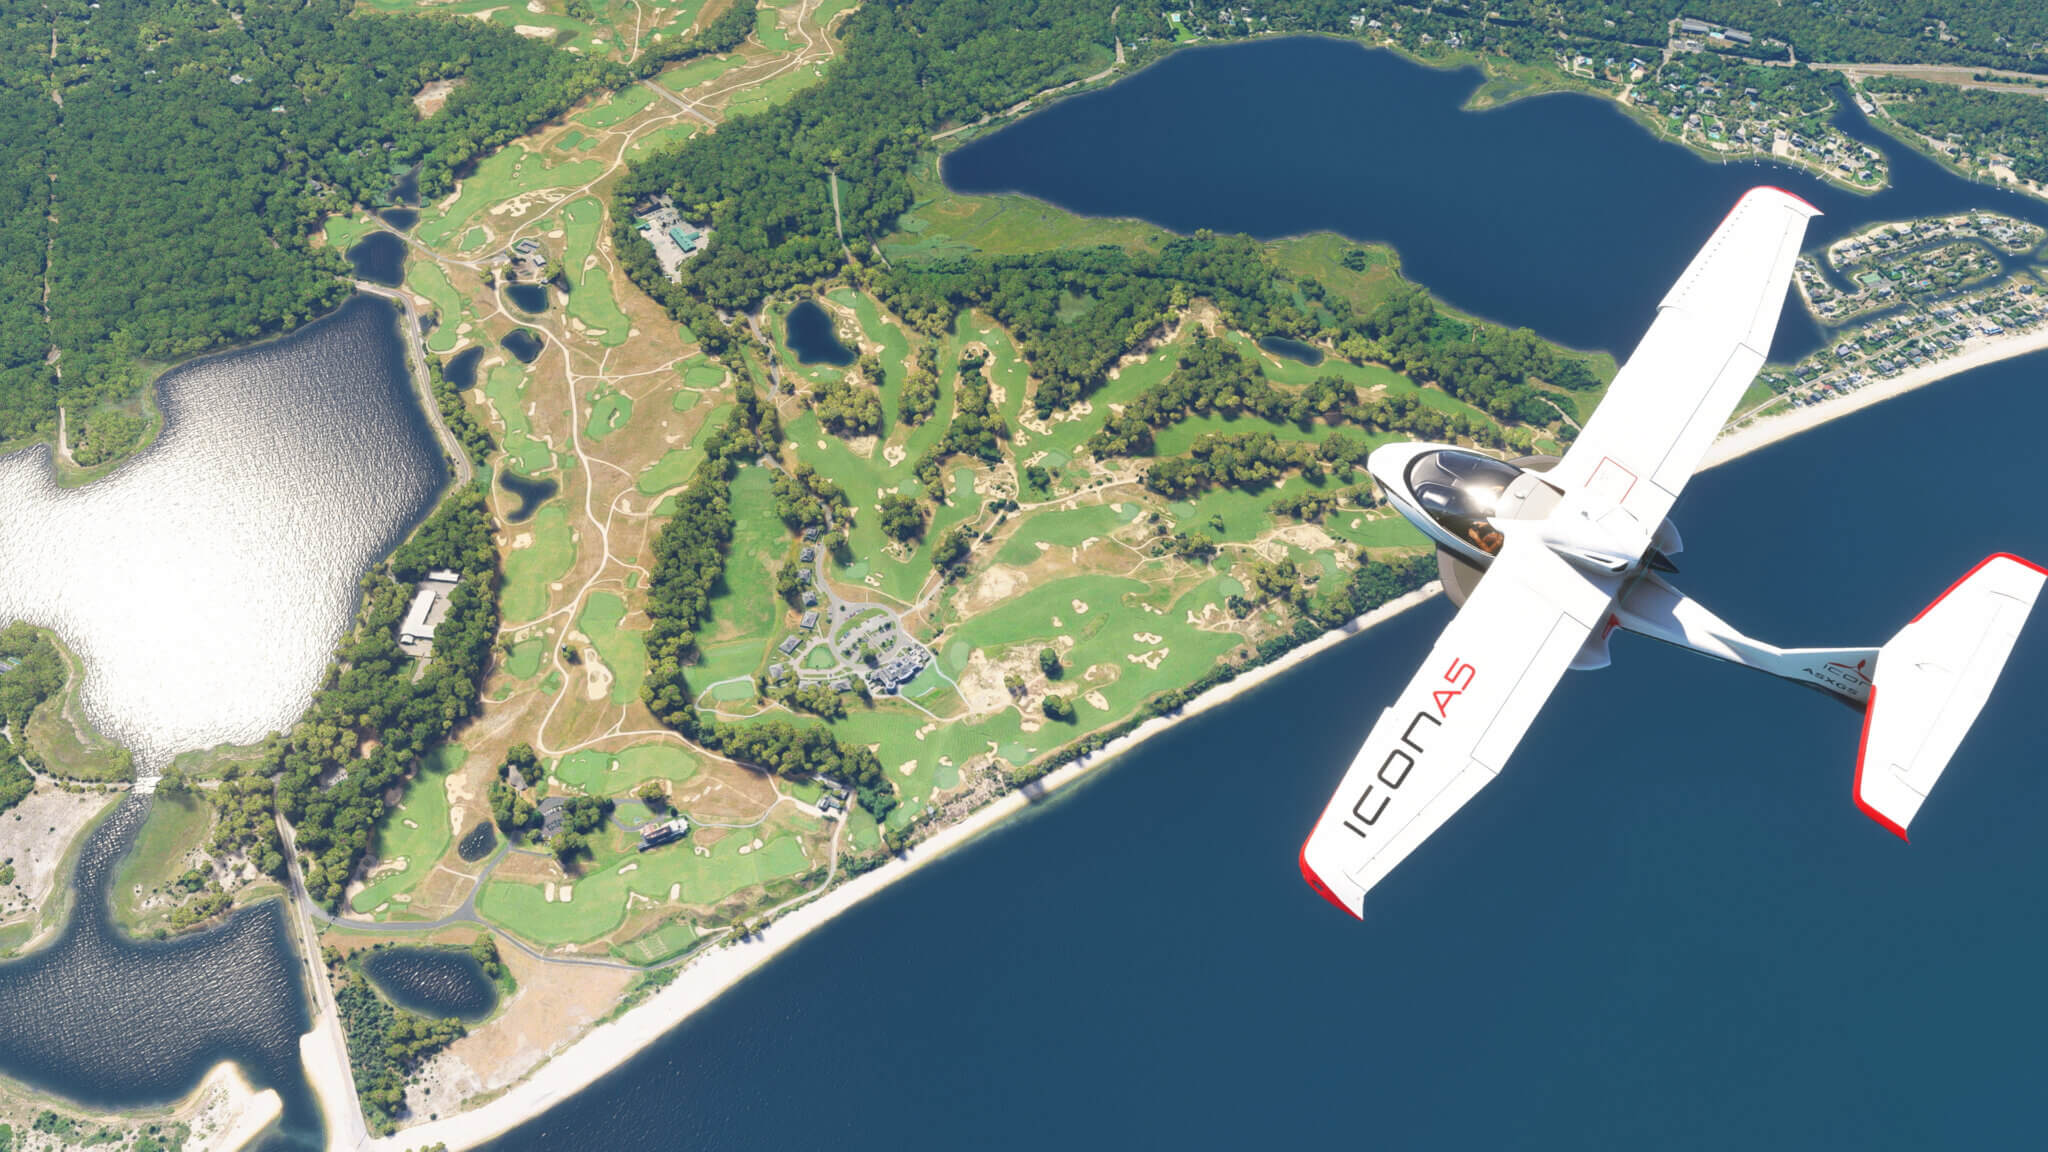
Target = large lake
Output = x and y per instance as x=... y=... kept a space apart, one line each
x=205 y=582
x=1679 y=933
x=1557 y=213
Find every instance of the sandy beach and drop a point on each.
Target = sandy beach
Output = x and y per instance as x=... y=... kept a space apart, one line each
x=610 y=1045
x=1975 y=352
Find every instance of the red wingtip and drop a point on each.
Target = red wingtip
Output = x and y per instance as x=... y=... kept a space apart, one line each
x=1862 y=746
x=1322 y=889
x=1790 y=196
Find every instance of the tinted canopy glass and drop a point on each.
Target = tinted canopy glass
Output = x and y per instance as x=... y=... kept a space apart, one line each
x=1461 y=491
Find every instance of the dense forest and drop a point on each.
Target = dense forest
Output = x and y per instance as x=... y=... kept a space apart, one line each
x=377 y=712
x=385 y=1043
x=689 y=567
x=185 y=152
x=2014 y=124
x=31 y=672
x=914 y=66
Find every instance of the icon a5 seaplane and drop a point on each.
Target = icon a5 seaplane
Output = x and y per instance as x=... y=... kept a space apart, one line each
x=1571 y=549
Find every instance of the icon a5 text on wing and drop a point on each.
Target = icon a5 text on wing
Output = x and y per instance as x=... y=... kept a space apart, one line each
x=1571 y=549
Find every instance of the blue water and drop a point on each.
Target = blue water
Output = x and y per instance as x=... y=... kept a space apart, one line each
x=1665 y=926
x=811 y=336
x=432 y=981
x=1557 y=213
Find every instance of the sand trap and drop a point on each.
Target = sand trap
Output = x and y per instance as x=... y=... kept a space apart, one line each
x=409 y=824
x=907 y=767
x=1097 y=701
x=633 y=867
x=746 y=848
x=1080 y=608
x=1146 y=637
x=532 y=32
x=547 y=891
x=675 y=893
x=565 y=892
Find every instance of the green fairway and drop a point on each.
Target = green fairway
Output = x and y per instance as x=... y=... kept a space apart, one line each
x=523 y=662
x=1061 y=528
x=416 y=831
x=529 y=570
x=745 y=606
x=621 y=650
x=426 y=278
x=671 y=471
x=701 y=373
x=624 y=104
x=597 y=899
x=343 y=231
x=770 y=32
x=505 y=388
x=619 y=773
x=609 y=411
x=498 y=178
x=776 y=91
x=590 y=298
x=702 y=70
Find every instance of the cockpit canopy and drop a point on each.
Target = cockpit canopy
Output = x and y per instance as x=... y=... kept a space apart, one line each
x=1461 y=491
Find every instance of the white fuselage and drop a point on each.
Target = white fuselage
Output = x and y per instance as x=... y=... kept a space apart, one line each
x=1468 y=504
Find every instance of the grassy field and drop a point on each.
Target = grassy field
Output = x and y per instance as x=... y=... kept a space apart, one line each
x=596 y=900
x=609 y=411
x=498 y=178
x=591 y=300
x=703 y=70
x=946 y=222
x=529 y=570
x=621 y=649
x=523 y=662
x=426 y=278
x=177 y=825
x=416 y=831
x=623 y=105
x=619 y=773
x=671 y=939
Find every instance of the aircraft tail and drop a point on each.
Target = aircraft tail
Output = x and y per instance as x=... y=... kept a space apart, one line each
x=1933 y=678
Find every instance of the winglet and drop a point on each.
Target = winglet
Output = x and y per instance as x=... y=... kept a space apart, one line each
x=1315 y=881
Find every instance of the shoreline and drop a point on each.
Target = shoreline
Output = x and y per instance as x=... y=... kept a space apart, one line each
x=1976 y=352
x=598 y=1052
x=607 y=1046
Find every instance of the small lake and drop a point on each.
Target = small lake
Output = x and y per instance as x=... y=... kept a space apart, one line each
x=432 y=982
x=205 y=581
x=1293 y=350
x=460 y=370
x=532 y=493
x=478 y=842
x=531 y=299
x=812 y=337
x=379 y=258
x=113 y=1023
x=401 y=218
x=524 y=344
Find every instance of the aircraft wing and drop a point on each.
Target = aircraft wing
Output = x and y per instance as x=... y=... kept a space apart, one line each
x=1454 y=726
x=1684 y=379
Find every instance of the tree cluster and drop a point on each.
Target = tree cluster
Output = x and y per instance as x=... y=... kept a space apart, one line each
x=2010 y=123
x=805 y=499
x=171 y=159
x=385 y=1044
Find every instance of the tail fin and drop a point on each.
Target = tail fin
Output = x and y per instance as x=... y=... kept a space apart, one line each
x=1933 y=678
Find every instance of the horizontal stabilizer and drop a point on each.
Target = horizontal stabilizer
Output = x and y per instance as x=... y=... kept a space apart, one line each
x=1933 y=679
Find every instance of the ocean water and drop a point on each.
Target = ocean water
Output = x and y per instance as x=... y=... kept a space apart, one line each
x=1666 y=925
